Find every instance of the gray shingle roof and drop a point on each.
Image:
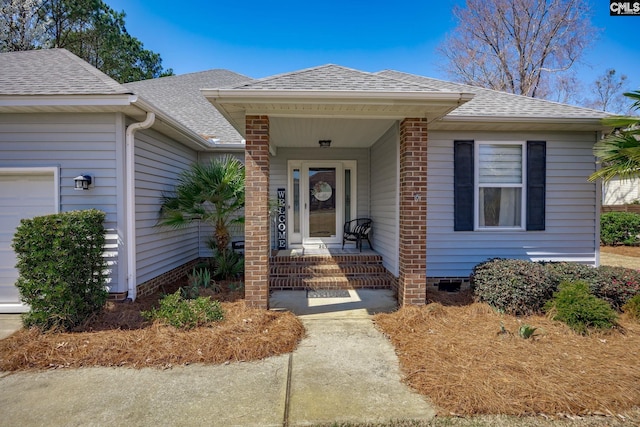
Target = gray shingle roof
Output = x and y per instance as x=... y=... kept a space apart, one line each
x=53 y=72
x=180 y=96
x=334 y=78
x=490 y=103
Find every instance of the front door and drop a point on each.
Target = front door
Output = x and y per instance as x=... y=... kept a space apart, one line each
x=322 y=198
x=322 y=216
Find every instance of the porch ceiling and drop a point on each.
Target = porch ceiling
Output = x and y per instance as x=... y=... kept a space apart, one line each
x=370 y=112
x=343 y=133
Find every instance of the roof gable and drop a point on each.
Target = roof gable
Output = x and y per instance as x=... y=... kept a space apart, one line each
x=334 y=78
x=332 y=91
x=53 y=72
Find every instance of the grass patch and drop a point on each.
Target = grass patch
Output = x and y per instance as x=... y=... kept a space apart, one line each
x=621 y=420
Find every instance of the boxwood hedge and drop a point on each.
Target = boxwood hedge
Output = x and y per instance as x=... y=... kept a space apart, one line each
x=62 y=271
x=513 y=286
x=523 y=287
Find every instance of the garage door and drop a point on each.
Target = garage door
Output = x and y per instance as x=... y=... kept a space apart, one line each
x=23 y=194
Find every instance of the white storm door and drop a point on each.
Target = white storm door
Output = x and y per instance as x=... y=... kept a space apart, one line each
x=323 y=203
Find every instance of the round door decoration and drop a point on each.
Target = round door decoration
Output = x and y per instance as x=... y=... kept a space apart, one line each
x=322 y=191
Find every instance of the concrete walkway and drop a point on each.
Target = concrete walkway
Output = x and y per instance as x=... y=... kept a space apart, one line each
x=343 y=371
x=9 y=323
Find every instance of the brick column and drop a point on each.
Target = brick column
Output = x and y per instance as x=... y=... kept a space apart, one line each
x=256 y=212
x=412 y=286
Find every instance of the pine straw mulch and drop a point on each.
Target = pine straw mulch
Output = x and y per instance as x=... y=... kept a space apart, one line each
x=121 y=337
x=454 y=352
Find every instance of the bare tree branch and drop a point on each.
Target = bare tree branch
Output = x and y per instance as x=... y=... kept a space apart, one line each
x=517 y=46
x=608 y=93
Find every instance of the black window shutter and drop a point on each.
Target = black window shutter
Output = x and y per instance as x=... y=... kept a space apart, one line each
x=463 y=185
x=536 y=182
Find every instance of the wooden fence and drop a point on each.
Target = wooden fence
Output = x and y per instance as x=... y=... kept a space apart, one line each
x=621 y=208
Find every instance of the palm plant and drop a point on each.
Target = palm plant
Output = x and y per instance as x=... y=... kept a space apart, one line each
x=619 y=152
x=212 y=193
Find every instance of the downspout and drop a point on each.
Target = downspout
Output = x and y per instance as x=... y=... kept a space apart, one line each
x=130 y=184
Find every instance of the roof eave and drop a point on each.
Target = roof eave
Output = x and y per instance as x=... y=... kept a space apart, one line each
x=166 y=123
x=53 y=101
x=130 y=104
x=283 y=95
x=235 y=104
x=533 y=123
x=228 y=146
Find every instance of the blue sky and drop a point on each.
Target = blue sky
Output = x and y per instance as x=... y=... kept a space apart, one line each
x=259 y=38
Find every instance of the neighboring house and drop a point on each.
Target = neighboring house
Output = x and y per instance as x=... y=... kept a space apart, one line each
x=450 y=174
x=621 y=191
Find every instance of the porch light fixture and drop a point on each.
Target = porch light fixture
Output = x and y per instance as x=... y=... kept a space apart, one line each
x=324 y=143
x=82 y=182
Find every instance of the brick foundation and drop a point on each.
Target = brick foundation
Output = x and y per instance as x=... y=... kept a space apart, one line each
x=151 y=286
x=412 y=285
x=256 y=212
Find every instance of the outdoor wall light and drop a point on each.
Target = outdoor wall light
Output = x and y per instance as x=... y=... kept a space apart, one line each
x=82 y=182
x=324 y=143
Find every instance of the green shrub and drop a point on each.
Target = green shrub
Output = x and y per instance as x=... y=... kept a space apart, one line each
x=527 y=331
x=185 y=313
x=620 y=228
x=520 y=287
x=574 y=305
x=227 y=264
x=570 y=271
x=512 y=286
x=632 y=307
x=199 y=278
x=62 y=271
x=236 y=286
x=616 y=285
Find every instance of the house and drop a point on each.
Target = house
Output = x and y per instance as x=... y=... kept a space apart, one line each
x=60 y=118
x=450 y=174
x=621 y=191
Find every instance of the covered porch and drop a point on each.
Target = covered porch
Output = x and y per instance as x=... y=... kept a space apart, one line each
x=324 y=157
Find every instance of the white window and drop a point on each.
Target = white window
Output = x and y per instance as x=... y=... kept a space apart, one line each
x=500 y=187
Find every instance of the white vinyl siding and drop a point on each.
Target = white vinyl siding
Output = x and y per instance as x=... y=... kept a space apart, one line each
x=75 y=144
x=571 y=208
x=384 y=198
x=158 y=163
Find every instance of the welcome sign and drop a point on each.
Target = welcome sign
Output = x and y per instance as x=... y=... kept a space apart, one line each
x=281 y=219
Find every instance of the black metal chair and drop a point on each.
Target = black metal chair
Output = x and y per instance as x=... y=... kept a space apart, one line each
x=357 y=230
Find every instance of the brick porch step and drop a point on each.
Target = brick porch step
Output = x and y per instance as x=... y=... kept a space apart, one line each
x=323 y=270
x=329 y=272
x=327 y=259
